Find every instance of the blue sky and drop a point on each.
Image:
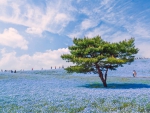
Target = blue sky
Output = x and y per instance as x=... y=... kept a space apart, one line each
x=34 y=33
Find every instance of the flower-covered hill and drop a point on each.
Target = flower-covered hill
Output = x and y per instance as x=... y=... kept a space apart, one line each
x=56 y=91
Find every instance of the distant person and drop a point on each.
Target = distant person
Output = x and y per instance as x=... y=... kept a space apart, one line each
x=11 y=71
x=134 y=73
x=15 y=71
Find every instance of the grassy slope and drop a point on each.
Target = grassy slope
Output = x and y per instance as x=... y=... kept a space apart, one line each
x=57 y=91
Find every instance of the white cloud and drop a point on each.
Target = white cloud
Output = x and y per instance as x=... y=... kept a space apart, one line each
x=144 y=49
x=33 y=30
x=96 y=14
x=2 y=2
x=75 y=35
x=37 y=61
x=101 y=31
x=88 y=23
x=141 y=30
x=60 y=17
x=111 y=21
x=105 y=2
x=52 y=18
x=78 y=1
x=119 y=36
x=2 y=51
x=10 y=37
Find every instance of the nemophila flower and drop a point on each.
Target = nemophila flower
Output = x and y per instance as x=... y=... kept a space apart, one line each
x=56 y=90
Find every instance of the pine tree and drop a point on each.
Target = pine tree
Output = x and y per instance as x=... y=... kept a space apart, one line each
x=98 y=56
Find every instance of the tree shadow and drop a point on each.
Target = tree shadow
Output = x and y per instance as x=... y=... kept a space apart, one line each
x=117 y=86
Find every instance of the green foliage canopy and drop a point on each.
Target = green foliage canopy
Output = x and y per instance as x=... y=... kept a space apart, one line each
x=88 y=54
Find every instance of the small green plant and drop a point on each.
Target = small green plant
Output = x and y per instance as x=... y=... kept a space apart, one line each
x=141 y=109
x=148 y=107
x=125 y=105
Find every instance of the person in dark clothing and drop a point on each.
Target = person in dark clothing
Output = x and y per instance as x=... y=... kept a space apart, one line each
x=11 y=71
x=15 y=71
x=134 y=73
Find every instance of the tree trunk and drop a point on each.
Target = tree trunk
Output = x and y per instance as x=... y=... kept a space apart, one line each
x=101 y=76
x=104 y=83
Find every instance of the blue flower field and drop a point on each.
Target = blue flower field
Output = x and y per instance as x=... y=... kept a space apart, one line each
x=55 y=91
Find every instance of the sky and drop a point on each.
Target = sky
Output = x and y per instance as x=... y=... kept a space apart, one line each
x=35 y=33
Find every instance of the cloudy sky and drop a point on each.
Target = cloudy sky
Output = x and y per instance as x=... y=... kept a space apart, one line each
x=34 y=33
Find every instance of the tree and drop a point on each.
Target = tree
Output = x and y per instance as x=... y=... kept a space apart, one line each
x=98 y=56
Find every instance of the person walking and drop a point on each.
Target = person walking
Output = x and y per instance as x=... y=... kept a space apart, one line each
x=134 y=73
x=15 y=71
